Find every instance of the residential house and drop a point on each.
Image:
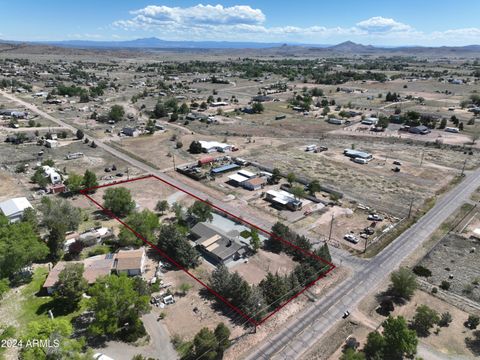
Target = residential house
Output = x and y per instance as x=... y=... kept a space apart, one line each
x=254 y=184
x=213 y=146
x=354 y=154
x=94 y=268
x=283 y=199
x=217 y=246
x=422 y=130
x=130 y=132
x=130 y=262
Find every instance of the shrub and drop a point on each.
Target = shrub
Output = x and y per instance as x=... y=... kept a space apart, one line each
x=472 y=322
x=422 y=271
x=445 y=285
x=445 y=319
x=434 y=290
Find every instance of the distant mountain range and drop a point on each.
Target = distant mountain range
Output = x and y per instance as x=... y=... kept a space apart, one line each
x=156 y=43
x=347 y=47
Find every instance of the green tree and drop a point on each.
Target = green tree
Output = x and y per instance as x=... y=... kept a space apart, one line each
x=58 y=212
x=176 y=245
x=119 y=201
x=254 y=240
x=160 y=110
x=30 y=216
x=257 y=108
x=383 y=122
x=375 y=345
x=39 y=178
x=150 y=127
x=162 y=206
x=276 y=175
x=70 y=286
x=195 y=147
x=351 y=354
x=174 y=117
x=4 y=287
x=117 y=112
x=205 y=345
x=424 y=319
x=117 y=307
x=279 y=232
x=297 y=192
x=220 y=279
x=443 y=124
x=90 y=180
x=274 y=288
x=74 y=182
x=45 y=329
x=79 y=134
x=144 y=223
x=403 y=283
x=314 y=187
x=56 y=241
x=201 y=211
x=400 y=341
x=291 y=177
x=222 y=334
x=184 y=109
x=20 y=245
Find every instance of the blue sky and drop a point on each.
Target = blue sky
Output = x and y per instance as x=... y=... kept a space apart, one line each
x=405 y=22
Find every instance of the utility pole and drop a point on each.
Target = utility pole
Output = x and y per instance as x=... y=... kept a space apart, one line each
x=463 y=168
x=421 y=160
x=128 y=174
x=410 y=209
x=331 y=227
x=173 y=159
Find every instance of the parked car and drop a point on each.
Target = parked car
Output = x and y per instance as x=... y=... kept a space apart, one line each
x=346 y=314
x=396 y=162
x=375 y=217
x=368 y=231
x=351 y=238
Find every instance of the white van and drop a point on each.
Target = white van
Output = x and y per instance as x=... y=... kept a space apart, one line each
x=452 y=129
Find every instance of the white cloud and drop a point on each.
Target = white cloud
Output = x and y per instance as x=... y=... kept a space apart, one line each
x=379 y=24
x=198 y=15
x=244 y=23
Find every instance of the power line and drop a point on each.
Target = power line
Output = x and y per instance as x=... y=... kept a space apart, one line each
x=298 y=287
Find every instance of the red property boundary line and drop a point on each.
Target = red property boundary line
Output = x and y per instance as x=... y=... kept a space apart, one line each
x=163 y=254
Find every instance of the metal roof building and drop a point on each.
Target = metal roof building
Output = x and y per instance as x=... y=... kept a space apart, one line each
x=13 y=209
x=225 y=168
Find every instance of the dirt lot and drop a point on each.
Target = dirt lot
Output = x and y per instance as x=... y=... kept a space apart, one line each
x=263 y=262
x=452 y=260
x=346 y=220
x=374 y=184
x=9 y=187
x=193 y=311
x=450 y=340
x=147 y=192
